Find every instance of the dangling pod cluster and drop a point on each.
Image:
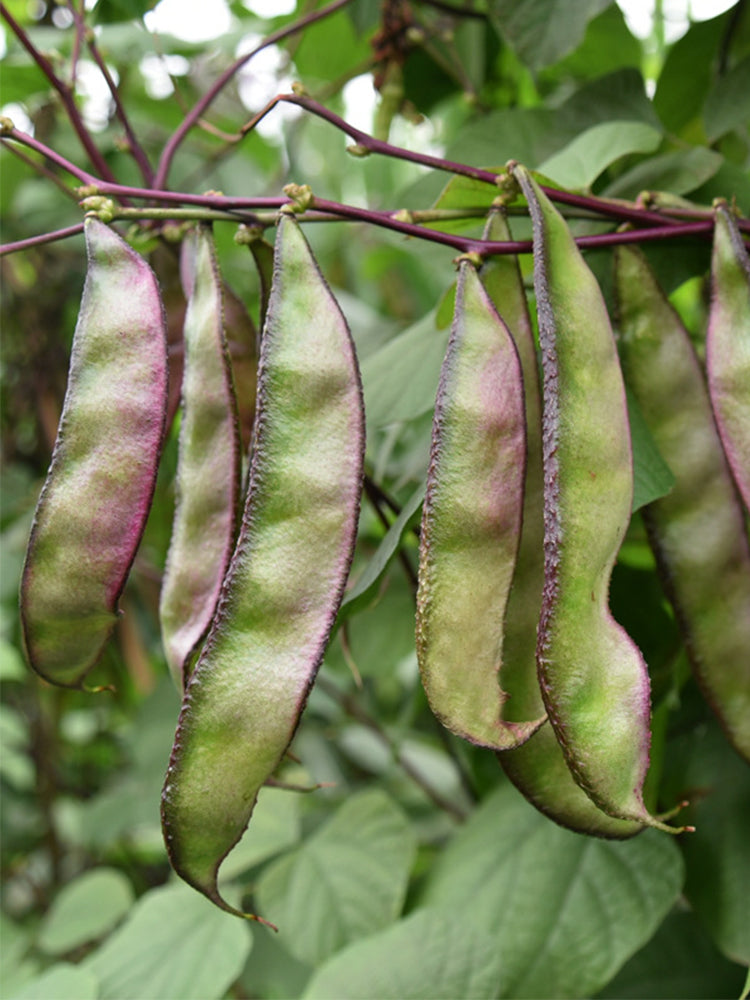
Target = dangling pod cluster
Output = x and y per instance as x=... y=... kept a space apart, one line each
x=528 y=499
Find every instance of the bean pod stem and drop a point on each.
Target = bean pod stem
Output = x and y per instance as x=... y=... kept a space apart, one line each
x=697 y=531
x=593 y=678
x=284 y=586
x=208 y=469
x=93 y=507
x=471 y=523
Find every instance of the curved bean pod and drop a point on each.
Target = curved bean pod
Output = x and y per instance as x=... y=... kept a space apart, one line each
x=697 y=531
x=287 y=576
x=93 y=507
x=537 y=768
x=471 y=523
x=728 y=345
x=208 y=469
x=593 y=678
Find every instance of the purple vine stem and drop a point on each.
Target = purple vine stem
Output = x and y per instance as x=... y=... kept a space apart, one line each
x=66 y=95
x=165 y=161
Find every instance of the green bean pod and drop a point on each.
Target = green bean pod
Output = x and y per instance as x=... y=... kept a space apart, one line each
x=471 y=523
x=594 y=681
x=284 y=586
x=93 y=507
x=208 y=468
x=537 y=768
x=697 y=531
x=728 y=345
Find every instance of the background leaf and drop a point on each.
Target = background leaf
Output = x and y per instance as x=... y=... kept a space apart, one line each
x=541 y=31
x=598 y=908
x=346 y=881
x=87 y=908
x=456 y=959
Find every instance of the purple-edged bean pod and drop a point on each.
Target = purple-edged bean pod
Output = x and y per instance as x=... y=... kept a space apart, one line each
x=208 y=469
x=471 y=523
x=728 y=345
x=96 y=498
x=284 y=586
x=593 y=678
x=537 y=768
x=698 y=530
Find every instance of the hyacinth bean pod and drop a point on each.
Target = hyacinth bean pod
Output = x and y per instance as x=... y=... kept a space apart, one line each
x=697 y=531
x=537 y=768
x=208 y=468
x=285 y=583
x=593 y=678
x=96 y=498
x=471 y=523
x=728 y=345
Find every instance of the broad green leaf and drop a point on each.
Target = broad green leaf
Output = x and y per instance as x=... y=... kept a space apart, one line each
x=346 y=881
x=678 y=963
x=63 y=982
x=274 y=828
x=174 y=944
x=728 y=104
x=566 y=910
x=580 y=163
x=16 y=967
x=652 y=477
x=687 y=74
x=87 y=908
x=702 y=768
x=542 y=31
x=364 y=589
x=455 y=959
x=677 y=173
x=122 y=10
x=606 y=46
x=400 y=380
x=381 y=639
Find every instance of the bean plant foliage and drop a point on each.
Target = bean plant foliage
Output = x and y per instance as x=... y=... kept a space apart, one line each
x=477 y=359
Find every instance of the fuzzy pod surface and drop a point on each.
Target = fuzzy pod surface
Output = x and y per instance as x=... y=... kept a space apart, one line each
x=728 y=345
x=537 y=768
x=471 y=523
x=284 y=586
x=94 y=503
x=593 y=678
x=208 y=467
x=697 y=531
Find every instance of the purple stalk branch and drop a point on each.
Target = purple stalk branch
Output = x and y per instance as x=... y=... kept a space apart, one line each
x=601 y=206
x=35 y=241
x=134 y=146
x=66 y=95
x=192 y=117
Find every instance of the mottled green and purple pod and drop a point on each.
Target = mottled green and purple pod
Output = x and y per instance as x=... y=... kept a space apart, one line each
x=697 y=531
x=537 y=768
x=593 y=679
x=284 y=586
x=471 y=523
x=208 y=467
x=93 y=507
x=728 y=345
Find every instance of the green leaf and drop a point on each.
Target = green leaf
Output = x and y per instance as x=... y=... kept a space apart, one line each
x=566 y=910
x=728 y=104
x=456 y=959
x=63 y=982
x=678 y=173
x=346 y=881
x=174 y=944
x=590 y=153
x=364 y=589
x=687 y=72
x=274 y=828
x=542 y=31
x=652 y=477
x=400 y=379
x=85 y=909
x=702 y=768
x=678 y=963
x=109 y=11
